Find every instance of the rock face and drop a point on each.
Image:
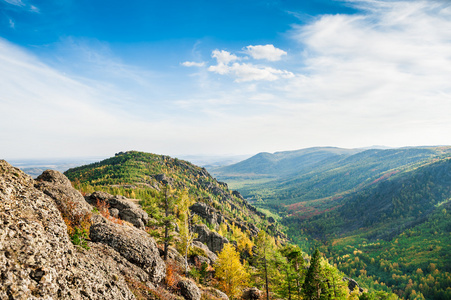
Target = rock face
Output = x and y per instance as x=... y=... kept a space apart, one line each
x=59 y=188
x=207 y=212
x=134 y=245
x=214 y=241
x=352 y=284
x=212 y=257
x=37 y=259
x=121 y=207
x=189 y=290
x=209 y=291
x=252 y=294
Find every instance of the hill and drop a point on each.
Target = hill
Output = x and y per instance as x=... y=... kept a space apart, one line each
x=225 y=213
x=379 y=214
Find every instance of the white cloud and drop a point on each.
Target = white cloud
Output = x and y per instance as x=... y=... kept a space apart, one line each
x=243 y=72
x=11 y=23
x=193 y=64
x=224 y=57
x=268 y=52
x=15 y=2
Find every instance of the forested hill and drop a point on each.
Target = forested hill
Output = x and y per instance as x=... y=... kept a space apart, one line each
x=325 y=172
x=381 y=216
x=141 y=175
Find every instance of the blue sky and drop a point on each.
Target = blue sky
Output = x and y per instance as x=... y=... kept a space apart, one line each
x=91 y=78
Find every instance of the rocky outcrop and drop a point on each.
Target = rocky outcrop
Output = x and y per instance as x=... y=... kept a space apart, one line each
x=214 y=241
x=252 y=294
x=352 y=284
x=59 y=188
x=121 y=207
x=209 y=291
x=189 y=289
x=210 y=255
x=37 y=258
x=134 y=245
x=207 y=213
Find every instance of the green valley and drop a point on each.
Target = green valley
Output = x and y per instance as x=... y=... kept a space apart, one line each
x=380 y=215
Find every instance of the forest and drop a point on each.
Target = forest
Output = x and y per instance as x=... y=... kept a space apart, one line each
x=266 y=261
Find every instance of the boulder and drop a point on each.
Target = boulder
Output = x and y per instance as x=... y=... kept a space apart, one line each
x=121 y=207
x=189 y=290
x=210 y=255
x=37 y=258
x=209 y=291
x=352 y=284
x=133 y=244
x=252 y=294
x=59 y=188
x=214 y=241
x=207 y=213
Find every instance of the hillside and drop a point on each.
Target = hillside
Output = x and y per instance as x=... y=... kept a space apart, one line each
x=330 y=173
x=381 y=215
x=143 y=176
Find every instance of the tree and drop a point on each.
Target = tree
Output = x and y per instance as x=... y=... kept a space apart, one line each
x=184 y=222
x=294 y=270
x=165 y=219
x=230 y=272
x=314 y=284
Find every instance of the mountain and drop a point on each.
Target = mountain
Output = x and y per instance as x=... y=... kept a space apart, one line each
x=380 y=214
x=317 y=173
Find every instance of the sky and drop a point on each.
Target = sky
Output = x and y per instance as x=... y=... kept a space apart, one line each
x=91 y=78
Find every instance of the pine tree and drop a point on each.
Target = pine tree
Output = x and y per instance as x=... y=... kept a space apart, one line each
x=230 y=272
x=314 y=284
x=165 y=219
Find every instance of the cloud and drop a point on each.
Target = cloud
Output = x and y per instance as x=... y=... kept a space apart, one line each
x=248 y=72
x=11 y=23
x=193 y=64
x=268 y=52
x=224 y=57
x=15 y=2
x=243 y=72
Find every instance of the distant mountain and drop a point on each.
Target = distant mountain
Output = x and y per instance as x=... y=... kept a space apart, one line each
x=317 y=173
x=382 y=215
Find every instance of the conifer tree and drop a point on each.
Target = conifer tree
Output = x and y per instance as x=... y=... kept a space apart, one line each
x=230 y=272
x=314 y=284
x=165 y=220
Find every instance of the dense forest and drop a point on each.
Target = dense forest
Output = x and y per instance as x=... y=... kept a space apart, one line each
x=379 y=215
x=257 y=256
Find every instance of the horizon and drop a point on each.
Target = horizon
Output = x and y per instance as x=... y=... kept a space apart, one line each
x=89 y=79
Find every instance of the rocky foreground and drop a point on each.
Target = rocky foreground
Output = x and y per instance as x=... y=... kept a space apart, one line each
x=119 y=260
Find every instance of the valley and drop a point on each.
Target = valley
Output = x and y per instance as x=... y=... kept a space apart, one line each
x=381 y=215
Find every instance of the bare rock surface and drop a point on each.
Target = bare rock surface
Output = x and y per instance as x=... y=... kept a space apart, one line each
x=121 y=207
x=209 y=291
x=133 y=244
x=59 y=188
x=214 y=241
x=189 y=290
x=211 y=256
x=252 y=294
x=37 y=259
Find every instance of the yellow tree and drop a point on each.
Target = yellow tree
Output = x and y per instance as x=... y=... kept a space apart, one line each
x=230 y=272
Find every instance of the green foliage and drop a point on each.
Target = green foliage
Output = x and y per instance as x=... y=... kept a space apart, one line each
x=80 y=237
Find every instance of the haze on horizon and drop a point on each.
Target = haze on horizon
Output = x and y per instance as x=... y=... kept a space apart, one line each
x=83 y=78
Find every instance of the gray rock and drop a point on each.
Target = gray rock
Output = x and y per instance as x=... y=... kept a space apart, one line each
x=189 y=290
x=127 y=210
x=207 y=212
x=252 y=294
x=210 y=255
x=352 y=284
x=214 y=241
x=134 y=245
x=37 y=258
x=59 y=188
x=209 y=291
